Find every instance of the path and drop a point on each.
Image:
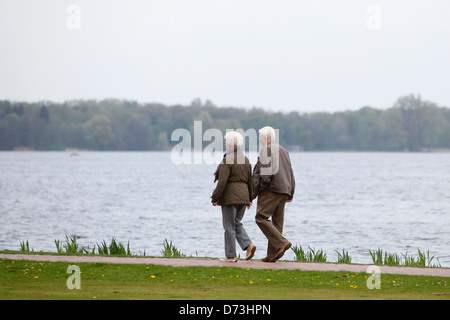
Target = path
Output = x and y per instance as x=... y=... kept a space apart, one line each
x=255 y=264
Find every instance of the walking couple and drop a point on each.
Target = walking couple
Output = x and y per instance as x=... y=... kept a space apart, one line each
x=272 y=181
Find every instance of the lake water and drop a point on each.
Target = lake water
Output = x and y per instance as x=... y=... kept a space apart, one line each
x=358 y=201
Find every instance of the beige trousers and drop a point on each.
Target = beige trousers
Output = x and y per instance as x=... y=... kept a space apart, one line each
x=271 y=205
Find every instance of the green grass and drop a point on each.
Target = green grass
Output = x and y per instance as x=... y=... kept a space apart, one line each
x=47 y=280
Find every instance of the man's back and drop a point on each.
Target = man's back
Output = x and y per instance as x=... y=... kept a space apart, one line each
x=273 y=171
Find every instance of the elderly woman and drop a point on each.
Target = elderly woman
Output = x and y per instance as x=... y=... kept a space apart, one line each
x=234 y=193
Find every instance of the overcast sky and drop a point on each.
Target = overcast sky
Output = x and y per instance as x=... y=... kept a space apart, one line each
x=298 y=55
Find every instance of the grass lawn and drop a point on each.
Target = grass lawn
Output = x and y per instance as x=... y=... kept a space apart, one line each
x=47 y=280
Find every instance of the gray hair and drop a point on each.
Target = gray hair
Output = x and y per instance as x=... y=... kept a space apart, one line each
x=234 y=139
x=267 y=132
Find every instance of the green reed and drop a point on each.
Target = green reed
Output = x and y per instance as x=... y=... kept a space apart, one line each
x=309 y=256
x=380 y=257
x=170 y=251
x=343 y=257
x=423 y=260
x=25 y=246
x=115 y=248
x=71 y=246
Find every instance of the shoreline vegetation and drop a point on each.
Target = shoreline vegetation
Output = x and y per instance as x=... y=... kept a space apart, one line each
x=411 y=124
x=379 y=257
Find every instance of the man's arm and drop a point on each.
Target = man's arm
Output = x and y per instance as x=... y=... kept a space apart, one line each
x=261 y=181
x=292 y=183
x=256 y=174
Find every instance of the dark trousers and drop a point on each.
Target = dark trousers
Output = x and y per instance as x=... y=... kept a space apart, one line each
x=271 y=205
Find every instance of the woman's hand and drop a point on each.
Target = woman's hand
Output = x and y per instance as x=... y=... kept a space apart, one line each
x=249 y=205
x=214 y=204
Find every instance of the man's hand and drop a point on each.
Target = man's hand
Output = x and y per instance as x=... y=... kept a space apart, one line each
x=249 y=205
x=289 y=200
x=214 y=204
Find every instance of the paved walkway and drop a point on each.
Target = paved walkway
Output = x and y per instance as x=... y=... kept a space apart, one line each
x=255 y=264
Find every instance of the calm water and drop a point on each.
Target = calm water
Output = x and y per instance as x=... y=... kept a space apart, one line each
x=358 y=201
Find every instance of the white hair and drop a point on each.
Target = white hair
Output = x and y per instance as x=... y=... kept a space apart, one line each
x=234 y=139
x=267 y=132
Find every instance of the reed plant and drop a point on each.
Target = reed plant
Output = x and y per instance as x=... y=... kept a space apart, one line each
x=71 y=246
x=377 y=256
x=170 y=251
x=25 y=246
x=423 y=260
x=115 y=248
x=300 y=254
x=381 y=257
x=393 y=259
x=309 y=256
x=343 y=257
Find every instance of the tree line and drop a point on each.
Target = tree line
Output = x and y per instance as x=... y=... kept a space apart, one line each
x=411 y=124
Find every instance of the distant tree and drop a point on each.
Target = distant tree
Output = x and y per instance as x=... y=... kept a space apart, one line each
x=26 y=134
x=98 y=133
x=422 y=121
x=10 y=132
x=341 y=133
x=5 y=108
x=208 y=103
x=18 y=110
x=197 y=102
x=369 y=129
x=44 y=115
x=393 y=134
x=320 y=125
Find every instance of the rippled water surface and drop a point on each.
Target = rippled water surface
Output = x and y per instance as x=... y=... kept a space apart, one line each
x=358 y=201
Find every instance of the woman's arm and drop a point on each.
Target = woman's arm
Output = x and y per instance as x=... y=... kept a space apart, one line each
x=224 y=173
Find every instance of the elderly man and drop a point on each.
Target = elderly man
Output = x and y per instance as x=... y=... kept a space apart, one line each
x=274 y=185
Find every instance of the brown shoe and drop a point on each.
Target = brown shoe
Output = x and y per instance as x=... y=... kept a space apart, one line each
x=251 y=248
x=282 y=250
x=268 y=259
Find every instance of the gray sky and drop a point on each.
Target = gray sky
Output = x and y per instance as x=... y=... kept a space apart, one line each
x=317 y=55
